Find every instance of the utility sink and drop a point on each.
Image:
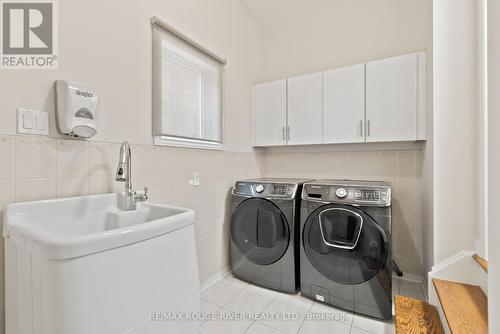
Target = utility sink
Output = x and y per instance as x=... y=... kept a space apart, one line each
x=82 y=265
x=71 y=227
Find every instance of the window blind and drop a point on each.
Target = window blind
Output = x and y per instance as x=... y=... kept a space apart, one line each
x=186 y=91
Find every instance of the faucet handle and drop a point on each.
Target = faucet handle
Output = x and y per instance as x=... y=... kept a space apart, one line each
x=141 y=196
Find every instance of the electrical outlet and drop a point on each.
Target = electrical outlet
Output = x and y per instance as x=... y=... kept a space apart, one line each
x=195 y=181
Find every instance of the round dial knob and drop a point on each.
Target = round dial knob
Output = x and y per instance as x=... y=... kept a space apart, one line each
x=341 y=193
x=259 y=188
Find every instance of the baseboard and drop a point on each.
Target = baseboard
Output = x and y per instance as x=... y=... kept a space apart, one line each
x=214 y=278
x=452 y=259
x=409 y=277
x=426 y=287
x=460 y=267
x=414 y=278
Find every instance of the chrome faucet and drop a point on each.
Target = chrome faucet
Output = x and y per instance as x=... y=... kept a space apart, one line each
x=123 y=174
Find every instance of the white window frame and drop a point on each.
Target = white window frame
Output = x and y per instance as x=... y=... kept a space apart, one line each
x=166 y=140
x=187 y=143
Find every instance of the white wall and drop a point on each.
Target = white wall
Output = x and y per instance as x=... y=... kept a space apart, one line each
x=108 y=44
x=347 y=32
x=455 y=127
x=494 y=165
x=482 y=129
x=427 y=167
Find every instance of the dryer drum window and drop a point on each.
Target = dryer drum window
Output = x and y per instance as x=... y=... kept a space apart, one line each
x=260 y=231
x=344 y=244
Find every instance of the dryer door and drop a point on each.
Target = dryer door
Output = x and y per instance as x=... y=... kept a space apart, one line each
x=344 y=244
x=260 y=231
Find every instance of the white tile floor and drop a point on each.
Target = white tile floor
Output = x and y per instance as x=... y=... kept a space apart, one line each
x=229 y=297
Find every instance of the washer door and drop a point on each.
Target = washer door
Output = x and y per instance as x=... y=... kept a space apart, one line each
x=344 y=244
x=260 y=231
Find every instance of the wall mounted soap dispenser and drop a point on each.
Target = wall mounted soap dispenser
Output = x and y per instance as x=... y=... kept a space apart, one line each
x=76 y=109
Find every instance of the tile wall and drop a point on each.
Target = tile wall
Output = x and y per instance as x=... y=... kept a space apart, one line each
x=403 y=168
x=33 y=168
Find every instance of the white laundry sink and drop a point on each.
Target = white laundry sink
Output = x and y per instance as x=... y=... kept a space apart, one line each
x=82 y=265
x=65 y=228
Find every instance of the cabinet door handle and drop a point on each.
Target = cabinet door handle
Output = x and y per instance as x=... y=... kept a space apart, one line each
x=287 y=133
x=283 y=133
x=368 y=128
x=361 y=128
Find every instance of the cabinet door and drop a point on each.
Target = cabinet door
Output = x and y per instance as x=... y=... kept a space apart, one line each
x=305 y=108
x=391 y=99
x=344 y=105
x=270 y=113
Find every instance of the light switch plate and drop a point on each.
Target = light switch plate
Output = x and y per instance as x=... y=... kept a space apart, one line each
x=33 y=122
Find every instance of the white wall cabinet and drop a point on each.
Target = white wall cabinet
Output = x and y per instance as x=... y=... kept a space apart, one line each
x=392 y=99
x=305 y=107
x=344 y=105
x=379 y=101
x=270 y=113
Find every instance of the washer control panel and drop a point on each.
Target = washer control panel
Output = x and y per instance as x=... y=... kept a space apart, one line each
x=341 y=193
x=362 y=194
x=267 y=190
x=259 y=189
x=367 y=195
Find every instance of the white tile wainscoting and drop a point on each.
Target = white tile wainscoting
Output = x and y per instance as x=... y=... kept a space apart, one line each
x=230 y=295
x=402 y=167
x=33 y=168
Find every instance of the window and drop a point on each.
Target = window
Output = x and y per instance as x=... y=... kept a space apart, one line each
x=186 y=92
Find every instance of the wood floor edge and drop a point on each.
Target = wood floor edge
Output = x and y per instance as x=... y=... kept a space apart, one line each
x=458 y=300
x=416 y=317
x=482 y=262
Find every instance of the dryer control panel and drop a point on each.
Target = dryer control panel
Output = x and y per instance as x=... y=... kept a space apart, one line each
x=266 y=190
x=361 y=193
